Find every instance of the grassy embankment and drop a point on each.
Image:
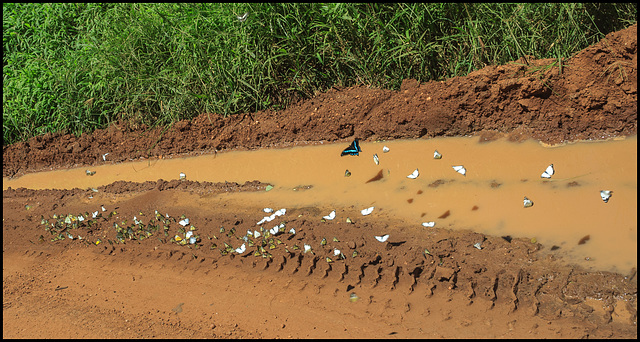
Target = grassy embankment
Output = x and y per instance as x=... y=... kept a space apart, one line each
x=77 y=67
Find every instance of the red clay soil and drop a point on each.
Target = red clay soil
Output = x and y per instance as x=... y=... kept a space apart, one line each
x=147 y=285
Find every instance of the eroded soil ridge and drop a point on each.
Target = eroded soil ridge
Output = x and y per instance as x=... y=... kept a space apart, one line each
x=592 y=95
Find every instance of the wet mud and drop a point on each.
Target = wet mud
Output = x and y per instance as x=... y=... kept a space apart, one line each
x=126 y=278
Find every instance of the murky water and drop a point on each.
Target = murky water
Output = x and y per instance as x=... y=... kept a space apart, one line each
x=488 y=199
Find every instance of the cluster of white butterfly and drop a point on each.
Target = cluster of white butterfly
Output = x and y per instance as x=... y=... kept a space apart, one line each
x=550 y=171
x=605 y=194
x=276 y=230
x=272 y=216
x=436 y=155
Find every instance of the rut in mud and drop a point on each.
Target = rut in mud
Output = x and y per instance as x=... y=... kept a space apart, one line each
x=506 y=275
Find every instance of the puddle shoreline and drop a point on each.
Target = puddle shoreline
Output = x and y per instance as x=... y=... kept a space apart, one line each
x=487 y=199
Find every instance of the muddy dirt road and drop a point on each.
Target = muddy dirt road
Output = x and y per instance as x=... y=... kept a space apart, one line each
x=139 y=269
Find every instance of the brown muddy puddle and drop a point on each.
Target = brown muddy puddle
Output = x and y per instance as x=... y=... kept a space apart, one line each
x=568 y=215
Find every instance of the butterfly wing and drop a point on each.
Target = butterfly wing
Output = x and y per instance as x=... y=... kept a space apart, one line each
x=331 y=216
x=548 y=172
x=353 y=149
x=241 y=249
x=366 y=211
x=382 y=238
x=414 y=175
x=460 y=169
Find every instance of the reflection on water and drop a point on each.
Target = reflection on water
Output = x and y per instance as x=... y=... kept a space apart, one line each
x=488 y=198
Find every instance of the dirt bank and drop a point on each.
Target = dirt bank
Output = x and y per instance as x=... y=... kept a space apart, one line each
x=592 y=96
x=121 y=275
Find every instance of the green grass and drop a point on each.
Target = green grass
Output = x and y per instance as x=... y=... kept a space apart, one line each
x=78 y=67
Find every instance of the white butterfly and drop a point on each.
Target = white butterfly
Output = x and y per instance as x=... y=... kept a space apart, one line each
x=437 y=155
x=548 y=172
x=95 y=214
x=104 y=156
x=414 y=175
x=243 y=17
x=385 y=149
x=268 y=210
x=477 y=245
x=605 y=194
x=189 y=234
x=184 y=222
x=241 y=249
x=192 y=240
x=460 y=169
x=367 y=211
x=336 y=251
x=429 y=224
x=382 y=238
x=274 y=230
x=280 y=212
x=80 y=218
x=182 y=176
x=527 y=202
x=292 y=231
x=256 y=234
x=331 y=216
x=375 y=159
x=103 y=209
x=307 y=248
x=266 y=219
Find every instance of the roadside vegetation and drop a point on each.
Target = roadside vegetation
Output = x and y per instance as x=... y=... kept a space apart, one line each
x=75 y=67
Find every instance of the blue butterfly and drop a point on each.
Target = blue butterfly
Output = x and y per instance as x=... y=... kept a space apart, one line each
x=353 y=149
